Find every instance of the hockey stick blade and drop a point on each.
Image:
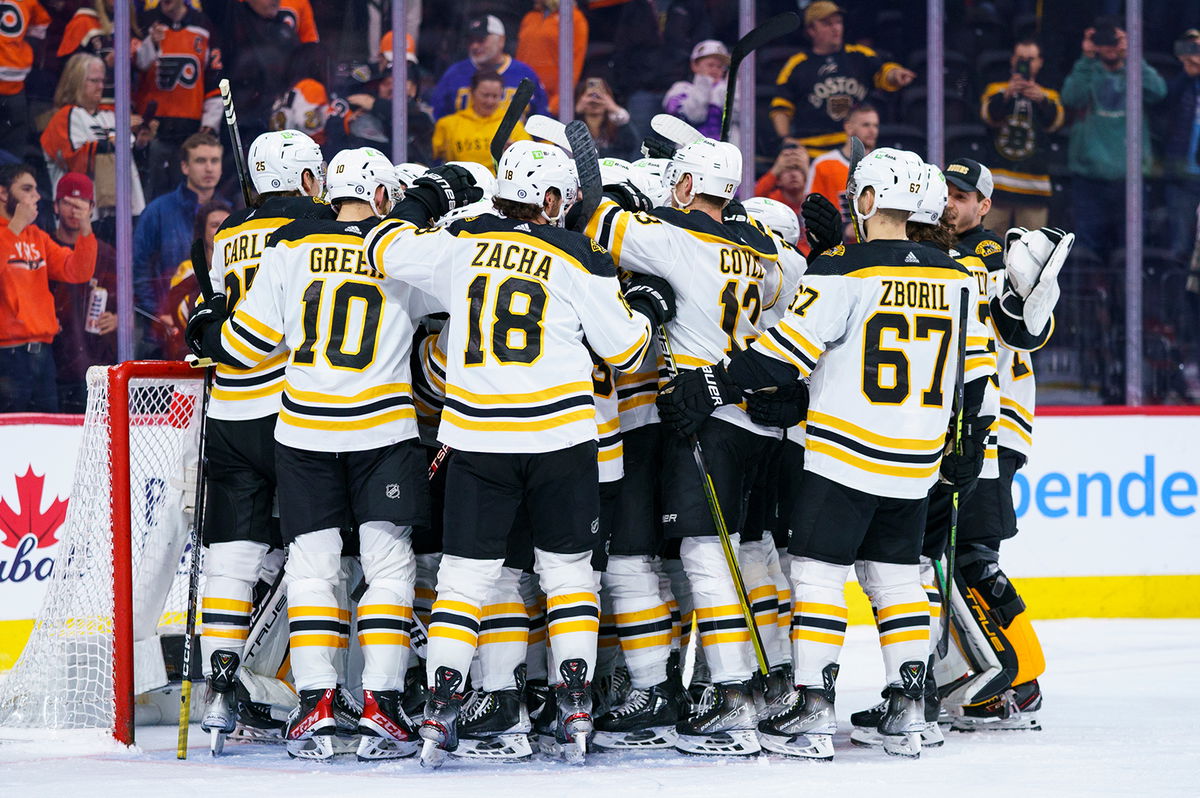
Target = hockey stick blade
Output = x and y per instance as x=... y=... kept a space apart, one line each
x=587 y=166
x=551 y=130
x=672 y=128
x=512 y=115
x=769 y=31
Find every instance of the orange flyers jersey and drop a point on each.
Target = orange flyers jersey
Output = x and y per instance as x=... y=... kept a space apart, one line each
x=19 y=20
x=184 y=72
x=299 y=15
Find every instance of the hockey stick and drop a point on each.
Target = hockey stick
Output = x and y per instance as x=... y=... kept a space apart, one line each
x=200 y=269
x=249 y=195
x=959 y=398
x=857 y=153
x=553 y=131
x=516 y=109
x=587 y=167
x=185 y=697
x=772 y=29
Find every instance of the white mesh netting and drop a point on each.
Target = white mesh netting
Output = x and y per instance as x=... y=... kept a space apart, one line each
x=64 y=677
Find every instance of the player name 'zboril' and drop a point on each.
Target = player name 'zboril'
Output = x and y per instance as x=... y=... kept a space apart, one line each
x=513 y=258
x=351 y=260
x=914 y=294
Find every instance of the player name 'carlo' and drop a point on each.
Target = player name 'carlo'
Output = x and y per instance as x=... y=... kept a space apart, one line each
x=914 y=294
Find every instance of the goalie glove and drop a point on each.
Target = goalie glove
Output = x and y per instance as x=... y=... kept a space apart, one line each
x=822 y=223
x=959 y=469
x=687 y=401
x=1032 y=261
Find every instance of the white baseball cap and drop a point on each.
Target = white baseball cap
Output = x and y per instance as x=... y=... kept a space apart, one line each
x=710 y=47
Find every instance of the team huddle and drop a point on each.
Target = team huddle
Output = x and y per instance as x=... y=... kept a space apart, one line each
x=550 y=441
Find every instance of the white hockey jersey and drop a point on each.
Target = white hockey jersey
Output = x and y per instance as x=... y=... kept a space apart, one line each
x=724 y=277
x=239 y=395
x=349 y=328
x=874 y=327
x=991 y=396
x=521 y=298
x=610 y=454
x=637 y=389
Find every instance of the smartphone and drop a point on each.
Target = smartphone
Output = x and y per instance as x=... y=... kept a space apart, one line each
x=594 y=84
x=1024 y=68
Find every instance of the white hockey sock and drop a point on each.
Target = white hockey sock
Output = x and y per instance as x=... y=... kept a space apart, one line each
x=427 y=568
x=572 y=607
x=385 y=609
x=764 y=598
x=668 y=598
x=503 y=634
x=722 y=626
x=536 y=656
x=680 y=591
x=643 y=619
x=462 y=589
x=776 y=566
x=818 y=617
x=901 y=612
x=230 y=570
x=318 y=628
x=929 y=583
x=608 y=642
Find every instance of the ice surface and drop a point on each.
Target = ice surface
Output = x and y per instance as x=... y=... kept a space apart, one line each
x=1119 y=718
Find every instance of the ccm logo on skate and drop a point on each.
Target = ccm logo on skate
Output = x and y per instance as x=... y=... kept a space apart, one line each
x=1136 y=493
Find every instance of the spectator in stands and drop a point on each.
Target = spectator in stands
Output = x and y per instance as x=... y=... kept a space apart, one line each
x=23 y=20
x=81 y=136
x=466 y=135
x=79 y=345
x=701 y=100
x=828 y=172
x=642 y=68
x=298 y=15
x=786 y=180
x=1183 y=145
x=180 y=66
x=485 y=51
x=29 y=259
x=163 y=236
x=817 y=87
x=607 y=121
x=1096 y=155
x=537 y=45
x=184 y=288
x=368 y=121
x=1022 y=113
x=91 y=31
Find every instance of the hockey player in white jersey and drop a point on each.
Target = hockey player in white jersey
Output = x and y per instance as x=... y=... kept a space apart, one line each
x=288 y=170
x=521 y=293
x=873 y=328
x=726 y=275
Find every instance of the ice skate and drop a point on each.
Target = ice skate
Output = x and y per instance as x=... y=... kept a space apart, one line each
x=1013 y=710
x=903 y=720
x=220 y=713
x=778 y=684
x=644 y=720
x=495 y=726
x=722 y=723
x=439 y=730
x=416 y=693
x=346 y=712
x=311 y=727
x=611 y=690
x=866 y=721
x=256 y=723
x=385 y=731
x=803 y=722
x=574 y=699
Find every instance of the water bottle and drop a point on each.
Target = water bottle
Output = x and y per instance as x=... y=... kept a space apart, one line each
x=97 y=304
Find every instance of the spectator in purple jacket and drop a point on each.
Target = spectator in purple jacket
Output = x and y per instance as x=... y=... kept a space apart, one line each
x=701 y=100
x=485 y=51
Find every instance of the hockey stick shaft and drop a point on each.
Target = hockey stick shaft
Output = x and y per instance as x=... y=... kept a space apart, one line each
x=194 y=538
x=718 y=517
x=512 y=115
x=773 y=28
x=200 y=269
x=235 y=140
x=952 y=540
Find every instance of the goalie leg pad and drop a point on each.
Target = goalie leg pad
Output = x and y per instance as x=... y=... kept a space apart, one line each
x=318 y=627
x=720 y=622
x=643 y=619
x=572 y=605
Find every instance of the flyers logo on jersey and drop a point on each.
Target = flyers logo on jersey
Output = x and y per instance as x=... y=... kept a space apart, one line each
x=12 y=22
x=986 y=248
x=177 y=70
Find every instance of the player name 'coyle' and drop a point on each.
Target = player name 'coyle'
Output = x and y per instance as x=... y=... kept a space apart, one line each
x=737 y=261
x=914 y=294
x=513 y=258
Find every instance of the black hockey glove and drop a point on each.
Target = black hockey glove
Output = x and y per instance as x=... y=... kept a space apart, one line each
x=628 y=196
x=655 y=146
x=687 y=401
x=204 y=327
x=783 y=408
x=735 y=211
x=441 y=190
x=822 y=223
x=651 y=296
x=958 y=471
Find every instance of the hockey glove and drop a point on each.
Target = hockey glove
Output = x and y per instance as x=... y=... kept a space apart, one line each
x=656 y=146
x=628 y=196
x=651 y=296
x=783 y=408
x=822 y=223
x=443 y=189
x=205 y=323
x=687 y=401
x=959 y=470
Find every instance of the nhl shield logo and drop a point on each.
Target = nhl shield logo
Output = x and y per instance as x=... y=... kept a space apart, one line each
x=392 y=491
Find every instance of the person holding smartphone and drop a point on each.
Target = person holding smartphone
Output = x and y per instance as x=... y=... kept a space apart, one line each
x=607 y=121
x=701 y=100
x=1021 y=113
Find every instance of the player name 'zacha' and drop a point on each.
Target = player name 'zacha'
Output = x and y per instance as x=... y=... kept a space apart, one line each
x=513 y=258
x=914 y=294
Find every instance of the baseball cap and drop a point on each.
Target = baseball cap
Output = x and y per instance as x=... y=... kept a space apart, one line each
x=74 y=184
x=970 y=175
x=710 y=47
x=820 y=10
x=482 y=27
x=1104 y=34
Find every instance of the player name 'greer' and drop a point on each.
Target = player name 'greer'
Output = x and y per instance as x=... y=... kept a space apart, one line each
x=914 y=294
x=351 y=260
x=513 y=258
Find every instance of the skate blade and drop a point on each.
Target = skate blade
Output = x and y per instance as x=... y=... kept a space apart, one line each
x=372 y=749
x=431 y=755
x=646 y=739
x=319 y=747
x=739 y=742
x=1023 y=723
x=216 y=741
x=251 y=734
x=498 y=748
x=931 y=737
x=903 y=745
x=818 y=747
x=575 y=752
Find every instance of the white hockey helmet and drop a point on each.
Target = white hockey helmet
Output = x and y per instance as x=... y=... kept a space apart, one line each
x=715 y=167
x=613 y=170
x=932 y=202
x=408 y=172
x=277 y=161
x=528 y=170
x=483 y=177
x=647 y=175
x=386 y=173
x=776 y=216
x=353 y=175
x=897 y=177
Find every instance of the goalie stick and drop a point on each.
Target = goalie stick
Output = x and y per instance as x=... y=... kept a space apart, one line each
x=772 y=29
x=512 y=115
x=943 y=644
x=249 y=195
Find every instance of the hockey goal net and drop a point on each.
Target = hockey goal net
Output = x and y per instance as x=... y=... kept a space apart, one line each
x=119 y=585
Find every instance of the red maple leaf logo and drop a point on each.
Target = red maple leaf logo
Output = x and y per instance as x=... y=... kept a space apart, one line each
x=28 y=519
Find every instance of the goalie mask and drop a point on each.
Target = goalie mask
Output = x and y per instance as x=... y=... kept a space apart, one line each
x=897 y=178
x=353 y=175
x=776 y=216
x=277 y=161
x=528 y=170
x=715 y=167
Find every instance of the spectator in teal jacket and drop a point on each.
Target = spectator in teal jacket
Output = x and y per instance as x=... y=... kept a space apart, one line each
x=1096 y=157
